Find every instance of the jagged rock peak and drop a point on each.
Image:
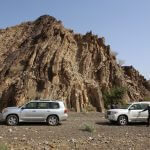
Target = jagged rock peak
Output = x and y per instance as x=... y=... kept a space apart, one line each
x=45 y=19
x=42 y=59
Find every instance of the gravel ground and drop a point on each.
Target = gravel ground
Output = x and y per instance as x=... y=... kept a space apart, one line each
x=82 y=131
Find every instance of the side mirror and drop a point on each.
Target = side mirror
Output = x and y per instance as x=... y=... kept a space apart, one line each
x=22 y=107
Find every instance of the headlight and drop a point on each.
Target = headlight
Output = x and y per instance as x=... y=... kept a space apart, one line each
x=113 y=112
x=4 y=110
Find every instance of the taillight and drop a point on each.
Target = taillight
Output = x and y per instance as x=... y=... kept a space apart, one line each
x=65 y=111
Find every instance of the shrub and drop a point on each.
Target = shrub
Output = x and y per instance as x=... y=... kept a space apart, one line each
x=121 y=62
x=88 y=128
x=114 y=53
x=3 y=146
x=114 y=96
x=146 y=98
x=90 y=108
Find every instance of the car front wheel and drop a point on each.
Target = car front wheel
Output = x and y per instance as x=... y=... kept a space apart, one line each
x=52 y=120
x=122 y=120
x=12 y=120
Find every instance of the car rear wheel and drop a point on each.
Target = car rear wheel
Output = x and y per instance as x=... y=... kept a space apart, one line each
x=52 y=120
x=122 y=120
x=12 y=120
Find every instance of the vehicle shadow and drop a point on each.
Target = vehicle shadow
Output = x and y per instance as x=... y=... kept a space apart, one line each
x=2 y=123
x=107 y=123
x=31 y=124
x=35 y=124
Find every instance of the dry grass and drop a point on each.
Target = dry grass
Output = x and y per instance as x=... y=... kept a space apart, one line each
x=88 y=128
x=3 y=146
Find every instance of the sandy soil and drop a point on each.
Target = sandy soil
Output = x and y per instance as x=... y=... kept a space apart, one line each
x=82 y=131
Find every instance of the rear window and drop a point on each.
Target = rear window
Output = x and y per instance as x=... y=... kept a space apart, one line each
x=53 y=105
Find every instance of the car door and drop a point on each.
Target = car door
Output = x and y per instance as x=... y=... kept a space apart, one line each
x=134 y=112
x=144 y=114
x=43 y=110
x=28 y=112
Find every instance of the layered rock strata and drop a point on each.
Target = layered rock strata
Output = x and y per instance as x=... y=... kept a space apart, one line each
x=42 y=59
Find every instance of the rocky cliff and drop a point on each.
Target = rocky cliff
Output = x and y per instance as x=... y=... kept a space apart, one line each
x=42 y=59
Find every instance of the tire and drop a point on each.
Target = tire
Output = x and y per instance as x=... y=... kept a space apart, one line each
x=52 y=120
x=12 y=120
x=122 y=120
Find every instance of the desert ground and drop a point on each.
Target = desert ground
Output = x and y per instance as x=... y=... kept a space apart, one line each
x=82 y=131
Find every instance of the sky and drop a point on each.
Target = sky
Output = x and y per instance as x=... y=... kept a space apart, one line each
x=125 y=24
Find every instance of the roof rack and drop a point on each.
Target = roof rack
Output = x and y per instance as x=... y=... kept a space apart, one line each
x=49 y=100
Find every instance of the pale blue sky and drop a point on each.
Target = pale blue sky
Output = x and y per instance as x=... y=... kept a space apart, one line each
x=125 y=24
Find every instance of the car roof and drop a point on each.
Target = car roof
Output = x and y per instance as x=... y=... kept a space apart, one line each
x=142 y=102
x=43 y=100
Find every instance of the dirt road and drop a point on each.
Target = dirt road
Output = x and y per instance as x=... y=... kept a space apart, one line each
x=82 y=131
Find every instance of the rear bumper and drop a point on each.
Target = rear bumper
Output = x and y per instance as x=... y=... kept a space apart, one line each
x=1 y=117
x=63 y=117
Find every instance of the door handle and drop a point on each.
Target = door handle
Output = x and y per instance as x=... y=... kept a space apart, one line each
x=33 y=111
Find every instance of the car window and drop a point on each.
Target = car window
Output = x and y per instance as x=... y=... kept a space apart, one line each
x=144 y=106
x=43 y=105
x=136 y=107
x=53 y=105
x=31 y=105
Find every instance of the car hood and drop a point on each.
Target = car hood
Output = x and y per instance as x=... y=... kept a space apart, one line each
x=118 y=110
x=12 y=108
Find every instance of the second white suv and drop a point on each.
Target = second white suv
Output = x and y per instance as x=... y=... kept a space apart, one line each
x=48 y=111
x=128 y=113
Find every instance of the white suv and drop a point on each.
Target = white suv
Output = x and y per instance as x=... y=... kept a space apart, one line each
x=48 y=111
x=128 y=113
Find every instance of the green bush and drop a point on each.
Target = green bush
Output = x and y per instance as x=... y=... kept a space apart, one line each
x=90 y=108
x=114 y=96
x=146 y=98
x=3 y=146
x=88 y=128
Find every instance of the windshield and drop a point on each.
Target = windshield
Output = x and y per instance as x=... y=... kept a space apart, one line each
x=20 y=106
x=125 y=106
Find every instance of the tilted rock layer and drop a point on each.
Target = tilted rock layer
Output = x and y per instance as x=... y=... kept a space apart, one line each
x=42 y=59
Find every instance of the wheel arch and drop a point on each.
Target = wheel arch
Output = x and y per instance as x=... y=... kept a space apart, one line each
x=52 y=115
x=12 y=114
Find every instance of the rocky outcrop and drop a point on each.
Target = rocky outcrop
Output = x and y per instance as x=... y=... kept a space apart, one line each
x=42 y=59
x=137 y=84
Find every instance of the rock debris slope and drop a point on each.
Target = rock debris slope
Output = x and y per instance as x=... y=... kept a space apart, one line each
x=42 y=59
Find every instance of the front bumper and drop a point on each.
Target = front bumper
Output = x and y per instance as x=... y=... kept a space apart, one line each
x=111 y=117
